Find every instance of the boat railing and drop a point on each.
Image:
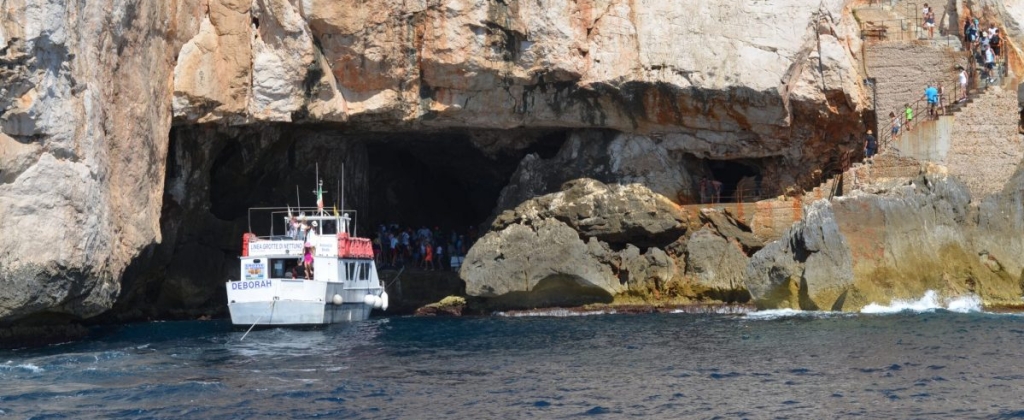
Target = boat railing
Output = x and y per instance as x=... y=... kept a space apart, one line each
x=278 y=219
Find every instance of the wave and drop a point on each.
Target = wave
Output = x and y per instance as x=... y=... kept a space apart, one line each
x=554 y=312
x=26 y=366
x=928 y=303
x=772 y=314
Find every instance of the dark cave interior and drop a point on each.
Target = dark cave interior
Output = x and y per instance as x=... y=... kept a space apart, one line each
x=741 y=179
x=450 y=179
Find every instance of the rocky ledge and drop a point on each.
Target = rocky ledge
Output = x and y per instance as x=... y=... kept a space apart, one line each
x=594 y=243
x=597 y=243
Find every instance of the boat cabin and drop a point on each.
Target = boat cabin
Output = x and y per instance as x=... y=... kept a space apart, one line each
x=338 y=256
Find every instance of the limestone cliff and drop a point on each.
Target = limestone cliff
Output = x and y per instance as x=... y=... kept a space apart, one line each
x=907 y=237
x=89 y=92
x=85 y=89
x=780 y=86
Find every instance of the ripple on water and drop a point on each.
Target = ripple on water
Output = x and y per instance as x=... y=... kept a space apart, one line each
x=642 y=365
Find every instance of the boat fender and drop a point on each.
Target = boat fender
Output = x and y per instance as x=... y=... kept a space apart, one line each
x=370 y=300
x=378 y=302
x=384 y=299
x=336 y=299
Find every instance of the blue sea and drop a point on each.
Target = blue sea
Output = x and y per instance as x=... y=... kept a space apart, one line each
x=893 y=363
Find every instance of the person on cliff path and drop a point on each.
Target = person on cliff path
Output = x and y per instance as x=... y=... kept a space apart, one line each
x=970 y=34
x=929 y=23
x=702 y=188
x=995 y=42
x=716 y=191
x=909 y=114
x=870 y=145
x=963 y=83
x=931 y=94
x=990 y=64
x=895 y=124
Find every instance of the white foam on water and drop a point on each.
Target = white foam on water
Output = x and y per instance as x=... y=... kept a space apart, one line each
x=927 y=303
x=724 y=309
x=773 y=313
x=964 y=304
x=769 y=315
x=553 y=313
x=28 y=366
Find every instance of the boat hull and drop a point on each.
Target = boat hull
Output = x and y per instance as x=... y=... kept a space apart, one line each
x=279 y=302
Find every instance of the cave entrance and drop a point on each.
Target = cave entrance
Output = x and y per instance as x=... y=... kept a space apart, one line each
x=446 y=180
x=741 y=179
x=450 y=179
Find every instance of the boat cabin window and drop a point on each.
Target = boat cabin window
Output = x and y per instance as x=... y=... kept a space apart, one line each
x=329 y=228
x=284 y=268
x=350 y=271
x=357 y=270
x=364 y=271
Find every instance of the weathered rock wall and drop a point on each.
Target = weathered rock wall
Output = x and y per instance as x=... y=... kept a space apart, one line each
x=902 y=71
x=985 y=145
x=788 y=78
x=592 y=242
x=500 y=64
x=906 y=238
x=89 y=92
x=83 y=139
x=1000 y=226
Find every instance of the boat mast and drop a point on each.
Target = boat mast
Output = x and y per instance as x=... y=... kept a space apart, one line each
x=342 y=194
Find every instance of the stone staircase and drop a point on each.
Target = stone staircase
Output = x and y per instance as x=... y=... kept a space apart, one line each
x=880 y=170
x=896 y=20
x=985 y=146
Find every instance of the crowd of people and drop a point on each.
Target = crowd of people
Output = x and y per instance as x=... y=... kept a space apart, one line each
x=423 y=248
x=985 y=45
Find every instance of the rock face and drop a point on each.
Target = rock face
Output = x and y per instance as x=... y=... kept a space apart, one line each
x=610 y=157
x=89 y=90
x=486 y=64
x=784 y=88
x=896 y=244
x=593 y=242
x=809 y=269
x=84 y=116
x=999 y=238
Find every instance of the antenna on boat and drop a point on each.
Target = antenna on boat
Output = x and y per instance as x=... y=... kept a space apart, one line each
x=317 y=174
x=342 y=191
x=298 y=198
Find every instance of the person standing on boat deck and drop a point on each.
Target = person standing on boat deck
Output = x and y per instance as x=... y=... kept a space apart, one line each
x=307 y=262
x=312 y=236
x=293 y=228
x=302 y=228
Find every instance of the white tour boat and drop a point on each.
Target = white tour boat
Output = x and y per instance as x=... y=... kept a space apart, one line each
x=272 y=289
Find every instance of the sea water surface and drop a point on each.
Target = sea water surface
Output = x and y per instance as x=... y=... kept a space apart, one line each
x=902 y=362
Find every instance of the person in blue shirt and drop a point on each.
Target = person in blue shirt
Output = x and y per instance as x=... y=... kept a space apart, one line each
x=932 y=94
x=870 y=145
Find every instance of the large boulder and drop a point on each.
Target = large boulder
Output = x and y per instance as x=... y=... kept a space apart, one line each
x=613 y=213
x=999 y=237
x=520 y=256
x=810 y=268
x=897 y=243
x=609 y=157
x=715 y=265
x=593 y=242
